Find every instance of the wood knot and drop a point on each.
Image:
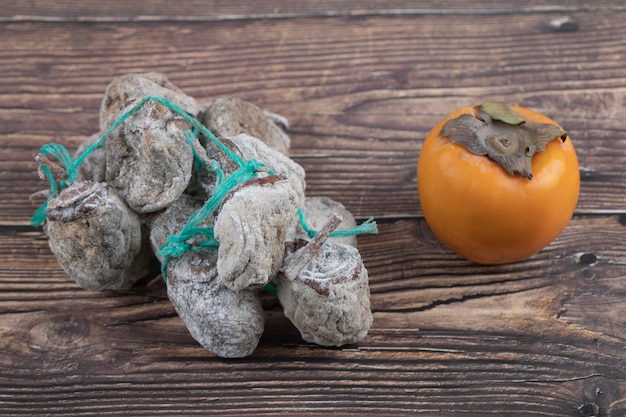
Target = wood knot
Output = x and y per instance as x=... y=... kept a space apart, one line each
x=61 y=331
x=563 y=24
x=589 y=410
x=587 y=259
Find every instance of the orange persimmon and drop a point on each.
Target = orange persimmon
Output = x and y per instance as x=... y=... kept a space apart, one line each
x=497 y=183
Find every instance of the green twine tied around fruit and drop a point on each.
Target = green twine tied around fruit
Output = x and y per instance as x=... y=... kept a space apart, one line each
x=368 y=226
x=71 y=166
x=176 y=245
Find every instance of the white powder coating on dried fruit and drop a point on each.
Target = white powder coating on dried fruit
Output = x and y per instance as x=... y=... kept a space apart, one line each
x=230 y=116
x=95 y=237
x=134 y=87
x=251 y=229
x=170 y=221
x=251 y=148
x=329 y=301
x=148 y=160
x=225 y=322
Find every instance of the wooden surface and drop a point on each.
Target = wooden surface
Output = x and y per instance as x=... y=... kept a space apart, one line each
x=361 y=84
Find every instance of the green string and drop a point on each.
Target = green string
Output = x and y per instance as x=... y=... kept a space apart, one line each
x=369 y=226
x=59 y=152
x=199 y=163
x=40 y=214
x=178 y=244
x=71 y=167
x=271 y=288
x=65 y=158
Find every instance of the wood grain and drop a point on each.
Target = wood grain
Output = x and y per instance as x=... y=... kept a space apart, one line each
x=361 y=83
x=358 y=108
x=446 y=334
x=119 y=11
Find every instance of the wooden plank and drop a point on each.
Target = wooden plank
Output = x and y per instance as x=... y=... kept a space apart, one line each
x=190 y=10
x=359 y=103
x=549 y=329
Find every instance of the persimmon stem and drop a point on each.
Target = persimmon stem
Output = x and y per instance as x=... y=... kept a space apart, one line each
x=498 y=132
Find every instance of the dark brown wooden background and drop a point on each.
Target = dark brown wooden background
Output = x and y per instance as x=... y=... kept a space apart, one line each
x=361 y=82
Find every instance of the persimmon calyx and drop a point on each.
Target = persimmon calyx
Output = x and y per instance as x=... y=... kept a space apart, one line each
x=500 y=133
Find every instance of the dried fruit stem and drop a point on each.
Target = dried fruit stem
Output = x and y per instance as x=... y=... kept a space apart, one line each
x=304 y=256
x=56 y=170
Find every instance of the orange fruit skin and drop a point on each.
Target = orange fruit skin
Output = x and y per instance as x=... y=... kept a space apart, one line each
x=483 y=213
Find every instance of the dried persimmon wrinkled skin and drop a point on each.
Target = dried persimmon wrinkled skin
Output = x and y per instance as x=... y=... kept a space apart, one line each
x=230 y=116
x=148 y=160
x=329 y=300
x=485 y=214
x=95 y=236
x=170 y=221
x=251 y=229
x=251 y=148
x=129 y=88
x=253 y=223
x=226 y=322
